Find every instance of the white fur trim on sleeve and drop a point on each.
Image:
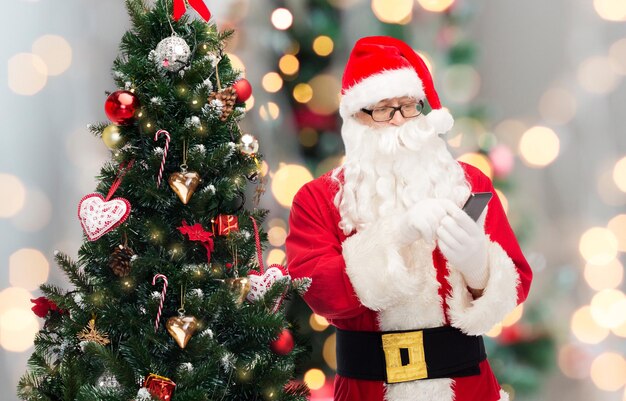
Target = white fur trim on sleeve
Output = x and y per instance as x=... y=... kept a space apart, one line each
x=384 y=85
x=376 y=269
x=499 y=298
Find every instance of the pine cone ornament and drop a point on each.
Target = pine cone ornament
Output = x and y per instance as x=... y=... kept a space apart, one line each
x=228 y=98
x=120 y=260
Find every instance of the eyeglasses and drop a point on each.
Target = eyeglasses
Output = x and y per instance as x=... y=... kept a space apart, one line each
x=383 y=114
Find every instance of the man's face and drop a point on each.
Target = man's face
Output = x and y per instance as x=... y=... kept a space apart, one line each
x=383 y=107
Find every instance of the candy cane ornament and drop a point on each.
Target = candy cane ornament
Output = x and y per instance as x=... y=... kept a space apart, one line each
x=158 y=317
x=167 y=146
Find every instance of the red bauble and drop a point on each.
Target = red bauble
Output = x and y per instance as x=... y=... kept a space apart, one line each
x=121 y=106
x=283 y=344
x=243 y=89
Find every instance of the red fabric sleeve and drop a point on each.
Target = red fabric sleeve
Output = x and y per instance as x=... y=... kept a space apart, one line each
x=314 y=250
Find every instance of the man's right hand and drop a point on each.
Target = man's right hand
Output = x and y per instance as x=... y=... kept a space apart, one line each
x=423 y=219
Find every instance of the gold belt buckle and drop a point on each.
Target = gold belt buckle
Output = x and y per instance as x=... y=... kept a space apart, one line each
x=413 y=342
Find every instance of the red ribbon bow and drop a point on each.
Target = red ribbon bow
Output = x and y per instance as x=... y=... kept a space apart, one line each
x=198 y=233
x=180 y=7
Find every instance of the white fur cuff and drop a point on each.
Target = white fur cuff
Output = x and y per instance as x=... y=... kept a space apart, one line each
x=376 y=269
x=476 y=317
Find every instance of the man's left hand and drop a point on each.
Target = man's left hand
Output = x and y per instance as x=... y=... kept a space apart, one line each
x=462 y=241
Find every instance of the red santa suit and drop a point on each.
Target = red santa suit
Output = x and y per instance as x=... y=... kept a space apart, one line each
x=348 y=272
x=360 y=281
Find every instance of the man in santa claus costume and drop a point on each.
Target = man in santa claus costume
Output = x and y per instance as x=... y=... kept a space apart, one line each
x=410 y=281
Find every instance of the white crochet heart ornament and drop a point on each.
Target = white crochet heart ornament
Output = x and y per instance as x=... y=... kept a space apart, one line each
x=98 y=216
x=260 y=283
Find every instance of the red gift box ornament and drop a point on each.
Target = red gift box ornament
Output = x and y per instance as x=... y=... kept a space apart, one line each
x=159 y=386
x=226 y=224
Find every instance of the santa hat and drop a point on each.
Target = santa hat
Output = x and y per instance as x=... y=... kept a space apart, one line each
x=381 y=67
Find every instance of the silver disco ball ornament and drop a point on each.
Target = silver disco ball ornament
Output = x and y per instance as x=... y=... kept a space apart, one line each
x=108 y=381
x=249 y=144
x=172 y=54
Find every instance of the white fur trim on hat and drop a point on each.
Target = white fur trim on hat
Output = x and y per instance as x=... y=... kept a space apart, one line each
x=499 y=298
x=384 y=85
x=441 y=120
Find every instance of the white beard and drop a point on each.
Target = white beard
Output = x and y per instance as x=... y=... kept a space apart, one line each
x=389 y=169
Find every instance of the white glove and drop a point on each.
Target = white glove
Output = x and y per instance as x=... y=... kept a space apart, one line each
x=422 y=220
x=462 y=241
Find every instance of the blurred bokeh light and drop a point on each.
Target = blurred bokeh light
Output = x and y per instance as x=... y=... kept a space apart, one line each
x=617 y=225
x=539 y=146
x=289 y=64
x=605 y=276
x=585 y=328
x=325 y=89
x=328 y=352
x=597 y=75
x=276 y=257
x=12 y=196
x=557 y=105
x=598 y=246
x=277 y=235
x=55 y=52
x=608 y=371
x=28 y=268
x=27 y=73
x=574 y=361
x=18 y=328
x=435 y=5
x=393 y=11
x=611 y=10
x=315 y=379
x=282 y=19
x=608 y=308
x=619 y=174
x=460 y=83
x=269 y=111
x=272 y=82
x=323 y=45
x=287 y=180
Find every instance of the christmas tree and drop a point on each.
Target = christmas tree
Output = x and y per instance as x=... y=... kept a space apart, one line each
x=171 y=299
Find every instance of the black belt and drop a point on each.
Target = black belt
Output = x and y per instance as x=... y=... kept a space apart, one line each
x=401 y=356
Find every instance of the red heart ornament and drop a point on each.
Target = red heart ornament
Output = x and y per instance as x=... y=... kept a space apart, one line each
x=260 y=283
x=98 y=216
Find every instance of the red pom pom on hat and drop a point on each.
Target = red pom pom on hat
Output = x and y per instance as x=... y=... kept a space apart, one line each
x=382 y=67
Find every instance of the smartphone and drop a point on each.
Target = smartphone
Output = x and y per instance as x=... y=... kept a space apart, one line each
x=476 y=203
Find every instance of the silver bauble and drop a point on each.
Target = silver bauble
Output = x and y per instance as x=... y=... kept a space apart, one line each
x=108 y=381
x=172 y=54
x=249 y=144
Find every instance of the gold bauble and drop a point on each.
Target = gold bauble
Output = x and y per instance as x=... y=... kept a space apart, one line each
x=112 y=137
x=181 y=328
x=240 y=287
x=184 y=184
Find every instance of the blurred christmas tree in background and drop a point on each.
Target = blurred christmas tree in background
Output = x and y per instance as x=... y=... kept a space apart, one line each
x=169 y=240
